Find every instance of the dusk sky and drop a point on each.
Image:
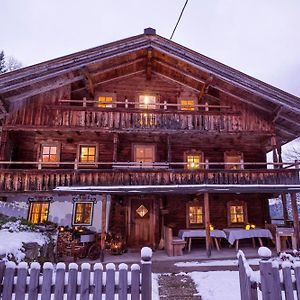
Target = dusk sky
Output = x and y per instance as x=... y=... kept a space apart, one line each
x=259 y=38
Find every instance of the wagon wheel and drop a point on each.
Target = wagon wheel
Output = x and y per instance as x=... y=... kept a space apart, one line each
x=83 y=252
x=94 y=252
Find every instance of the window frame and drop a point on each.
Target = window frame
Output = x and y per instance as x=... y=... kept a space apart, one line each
x=87 y=164
x=135 y=146
x=74 y=213
x=31 y=204
x=40 y=154
x=194 y=152
x=156 y=105
x=194 y=203
x=180 y=105
x=105 y=94
x=237 y=203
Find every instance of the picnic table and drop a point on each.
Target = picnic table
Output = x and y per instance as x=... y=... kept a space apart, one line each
x=189 y=234
x=233 y=235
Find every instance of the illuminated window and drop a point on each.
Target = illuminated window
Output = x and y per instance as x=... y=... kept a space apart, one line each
x=233 y=160
x=83 y=213
x=187 y=104
x=144 y=154
x=195 y=214
x=237 y=213
x=87 y=154
x=148 y=102
x=38 y=212
x=49 y=153
x=105 y=101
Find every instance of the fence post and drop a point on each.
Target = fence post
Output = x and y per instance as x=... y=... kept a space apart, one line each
x=47 y=281
x=135 y=282
x=110 y=282
x=59 y=281
x=276 y=278
x=2 y=269
x=98 y=279
x=266 y=274
x=297 y=275
x=33 y=290
x=85 y=281
x=72 y=281
x=123 y=281
x=287 y=280
x=146 y=255
x=8 y=280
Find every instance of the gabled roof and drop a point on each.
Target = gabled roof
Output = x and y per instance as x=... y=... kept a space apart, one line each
x=151 y=53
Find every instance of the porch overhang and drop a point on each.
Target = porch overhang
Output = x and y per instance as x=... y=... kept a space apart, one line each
x=182 y=188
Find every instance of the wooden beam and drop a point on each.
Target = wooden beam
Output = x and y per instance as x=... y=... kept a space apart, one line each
x=207 y=223
x=115 y=147
x=205 y=88
x=149 y=63
x=276 y=113
x=52 y=85
x=103 y=225
x=284 y=208
x=88 y=82
x=295 y=218
x=169 y=148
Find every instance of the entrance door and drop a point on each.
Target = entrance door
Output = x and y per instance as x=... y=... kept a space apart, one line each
x=142 y=220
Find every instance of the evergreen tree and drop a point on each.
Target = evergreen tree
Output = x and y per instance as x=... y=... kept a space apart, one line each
x=2 y=63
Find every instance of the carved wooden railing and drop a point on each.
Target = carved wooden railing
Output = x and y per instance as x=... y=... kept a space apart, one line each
x=78 y=118
x=47 y=180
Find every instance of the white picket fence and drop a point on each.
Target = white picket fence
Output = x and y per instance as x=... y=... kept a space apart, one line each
x=274 y=280
x=98 y=282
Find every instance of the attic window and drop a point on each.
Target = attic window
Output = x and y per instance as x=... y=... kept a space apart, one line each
x=148 y=102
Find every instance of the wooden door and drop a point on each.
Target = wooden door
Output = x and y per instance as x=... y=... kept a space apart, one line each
x=142 y=222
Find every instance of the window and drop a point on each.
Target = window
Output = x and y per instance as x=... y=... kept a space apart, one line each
x=83 y=213
x=148 y=102
x=38 y=212
x=194 y=214
x=87 y=154
x=144 y=154
x=49 y=153
x=105 y=101
x=232 y=157
x=187 y=104
x=237 y=213
x=193 y=160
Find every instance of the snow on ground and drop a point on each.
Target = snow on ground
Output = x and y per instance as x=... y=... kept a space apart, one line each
x=155 y=294
x=227 y=262
x=11 y=242
x=217 y=285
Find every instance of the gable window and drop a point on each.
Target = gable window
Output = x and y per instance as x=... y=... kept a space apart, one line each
x=193 y=160
x=38 y=212
x=82 y=214
x=144 y=154
x=105 y=101
x=87 y=153
x=187 y=104
x=237 y=213
x=194 y=214
x=233 y=160
x=147 y=102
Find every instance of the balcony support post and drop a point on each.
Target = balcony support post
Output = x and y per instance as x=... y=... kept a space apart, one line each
x=284 y=208
x=115 y=149
x=103 y=225
x=275 y=157
x=207 y=223
x=295 y=218
x=169 y=148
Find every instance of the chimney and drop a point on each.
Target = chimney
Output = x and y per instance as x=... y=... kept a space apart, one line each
x=149 y=31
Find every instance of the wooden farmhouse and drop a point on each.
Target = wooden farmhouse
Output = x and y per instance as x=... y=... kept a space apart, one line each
x=142 y=132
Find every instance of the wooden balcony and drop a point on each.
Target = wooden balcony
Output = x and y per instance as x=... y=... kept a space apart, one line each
x=46 y=180
x=79 y=118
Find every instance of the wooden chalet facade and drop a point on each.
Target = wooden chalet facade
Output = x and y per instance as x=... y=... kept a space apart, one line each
x=124 y=135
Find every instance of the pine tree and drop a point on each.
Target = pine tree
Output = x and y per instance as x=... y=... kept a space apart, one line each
x=2 y=63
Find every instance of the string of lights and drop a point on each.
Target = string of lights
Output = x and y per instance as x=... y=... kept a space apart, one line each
x=186 y=2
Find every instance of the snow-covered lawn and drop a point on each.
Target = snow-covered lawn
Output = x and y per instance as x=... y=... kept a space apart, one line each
x=11 y=242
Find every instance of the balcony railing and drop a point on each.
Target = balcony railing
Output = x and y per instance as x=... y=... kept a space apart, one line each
x=45 y=180
x=124 y=119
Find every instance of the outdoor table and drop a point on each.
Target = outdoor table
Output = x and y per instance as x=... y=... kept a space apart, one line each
x=200 y=233
x=236 y=234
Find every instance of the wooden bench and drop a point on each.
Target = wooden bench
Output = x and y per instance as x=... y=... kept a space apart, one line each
x=173 y=244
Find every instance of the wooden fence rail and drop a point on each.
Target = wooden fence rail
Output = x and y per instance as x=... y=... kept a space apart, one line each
x=13 y=180
x=274 y=281
x=18 y=282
